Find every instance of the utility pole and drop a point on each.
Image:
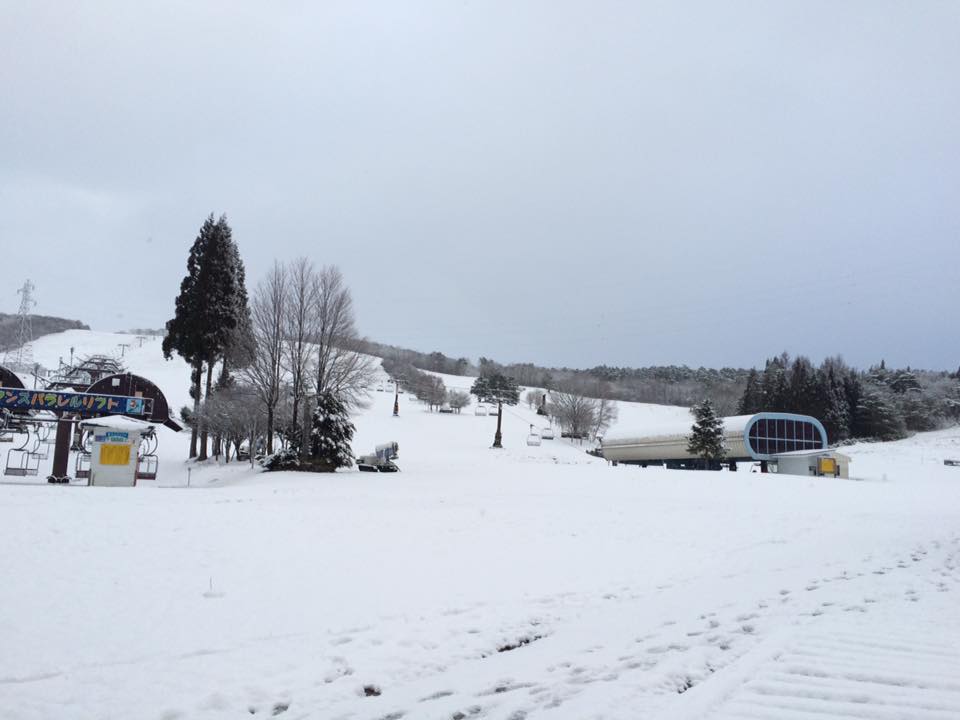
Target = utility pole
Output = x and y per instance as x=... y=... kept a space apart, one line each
x=123 y=348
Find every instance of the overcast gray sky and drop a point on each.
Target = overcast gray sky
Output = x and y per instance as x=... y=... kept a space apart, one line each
x=568 y=183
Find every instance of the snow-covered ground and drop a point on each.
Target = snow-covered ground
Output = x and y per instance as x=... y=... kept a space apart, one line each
x=524 y=583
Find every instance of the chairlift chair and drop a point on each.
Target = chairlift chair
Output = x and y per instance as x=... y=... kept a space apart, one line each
x=44 y=435
x=547 y=433
x=480 y=410
x=6 y=432
x=22 y=462
x=147 y=458
x=81 y=466
x=533 y=439
x=40 y=447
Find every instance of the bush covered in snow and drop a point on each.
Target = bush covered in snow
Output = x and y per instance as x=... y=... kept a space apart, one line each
x=287 y=459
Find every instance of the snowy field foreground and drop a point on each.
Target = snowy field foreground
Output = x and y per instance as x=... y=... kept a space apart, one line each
x=533 y=582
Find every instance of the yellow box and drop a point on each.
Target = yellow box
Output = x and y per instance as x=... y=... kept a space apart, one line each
x=114 y=454
x=827 y=466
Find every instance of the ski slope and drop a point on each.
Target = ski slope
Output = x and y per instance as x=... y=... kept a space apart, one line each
x=532 y=582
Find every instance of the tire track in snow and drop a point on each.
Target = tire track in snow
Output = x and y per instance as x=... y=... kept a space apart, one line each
x=895 y=666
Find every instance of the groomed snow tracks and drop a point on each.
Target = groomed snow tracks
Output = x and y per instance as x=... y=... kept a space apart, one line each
x=880 y=676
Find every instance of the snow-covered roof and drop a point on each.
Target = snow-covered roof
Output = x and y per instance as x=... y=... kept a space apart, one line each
x=675 y=430
x=118 y=422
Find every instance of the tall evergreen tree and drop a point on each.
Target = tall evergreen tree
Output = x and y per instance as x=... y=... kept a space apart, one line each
x=774 y=387
x=706 y=438
x=208 y=310
x=803 y=388
x=330 y=435
x=876 y=418
x=750 y=401
x=500 y=389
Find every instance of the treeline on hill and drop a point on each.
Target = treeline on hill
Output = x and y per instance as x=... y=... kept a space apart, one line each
x=880 y=404
x=427 y=388
x=41 y=325
x=663 y=385
x=435 y=361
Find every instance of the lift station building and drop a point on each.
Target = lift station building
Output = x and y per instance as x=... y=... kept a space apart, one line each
x=796 y=441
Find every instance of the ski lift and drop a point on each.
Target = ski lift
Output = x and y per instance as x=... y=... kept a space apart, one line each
x=22 y=462
x=147 y=457
x=46 y=435
x=81 y=466
x=6 y=432
x=380 y=387
x=547 y=433
x=480 y=410
x=40 y=447
x=533 y=439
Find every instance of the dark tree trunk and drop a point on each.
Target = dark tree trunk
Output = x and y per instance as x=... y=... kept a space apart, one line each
x=305 y=430
x=219 y=444
x=203 y=434
x=197 y=370
x=270 y=430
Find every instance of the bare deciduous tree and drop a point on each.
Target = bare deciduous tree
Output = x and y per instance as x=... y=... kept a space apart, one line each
x=458 y=400
x=236 y=414
x=300 y=327
x=575 y=414
x=341 y=367
x=266 y=373
x=605 y=416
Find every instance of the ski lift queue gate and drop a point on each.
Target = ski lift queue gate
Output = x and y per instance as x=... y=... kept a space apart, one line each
x=71 y=407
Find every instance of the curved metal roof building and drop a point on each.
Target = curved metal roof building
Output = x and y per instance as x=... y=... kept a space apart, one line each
x=747 y=437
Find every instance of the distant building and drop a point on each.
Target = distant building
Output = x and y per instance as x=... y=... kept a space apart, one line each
x=762 y=437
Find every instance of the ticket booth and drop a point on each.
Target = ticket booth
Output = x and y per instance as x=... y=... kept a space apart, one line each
x=113 y=454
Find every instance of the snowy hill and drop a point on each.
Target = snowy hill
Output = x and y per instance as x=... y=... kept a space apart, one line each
x=533 y=582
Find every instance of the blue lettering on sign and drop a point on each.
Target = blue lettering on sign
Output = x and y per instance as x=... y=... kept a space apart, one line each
x=83 y=404
x=112 y=437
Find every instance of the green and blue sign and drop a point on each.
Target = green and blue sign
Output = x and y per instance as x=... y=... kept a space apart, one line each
x=83 y=404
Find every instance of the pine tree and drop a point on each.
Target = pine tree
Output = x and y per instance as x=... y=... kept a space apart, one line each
x=750 y=401
x=835 y=411
x=185 y=332
x=918 y=414
x=803 y=388
x=500 y=389
x=876 y=418
x=774 y=389
x=209 y=308
x=330 y=435
x=706 y=438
